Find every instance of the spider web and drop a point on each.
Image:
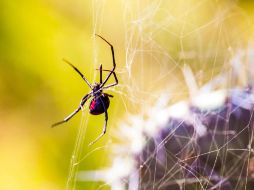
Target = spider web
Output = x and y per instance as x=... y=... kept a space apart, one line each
x=186 y=88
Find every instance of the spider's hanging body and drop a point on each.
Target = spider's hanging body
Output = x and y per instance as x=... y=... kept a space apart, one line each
x=100 y=100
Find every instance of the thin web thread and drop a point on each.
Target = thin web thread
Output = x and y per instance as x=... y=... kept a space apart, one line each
x=74 y=163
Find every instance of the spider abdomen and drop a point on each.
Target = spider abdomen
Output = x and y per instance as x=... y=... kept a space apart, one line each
x=98 y=105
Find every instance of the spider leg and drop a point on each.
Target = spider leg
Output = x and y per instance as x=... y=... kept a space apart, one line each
x=109 y=95
x=116 y=80
x=105 y=125
x=113 y=58
x=83 y=101
x=110 y=85
x=75 y=68
x=68 y=117
x=100 y=73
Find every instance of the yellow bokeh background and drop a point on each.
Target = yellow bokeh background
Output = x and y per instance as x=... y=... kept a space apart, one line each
x=37 y=88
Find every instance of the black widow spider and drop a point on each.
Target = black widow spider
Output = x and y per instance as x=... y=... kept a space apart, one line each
x=100 y=102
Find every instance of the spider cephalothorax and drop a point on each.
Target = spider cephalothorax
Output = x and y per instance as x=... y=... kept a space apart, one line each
x=96 y=88
x=100 y=102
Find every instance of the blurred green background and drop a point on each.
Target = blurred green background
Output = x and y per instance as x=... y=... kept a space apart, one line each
x=37 y=88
